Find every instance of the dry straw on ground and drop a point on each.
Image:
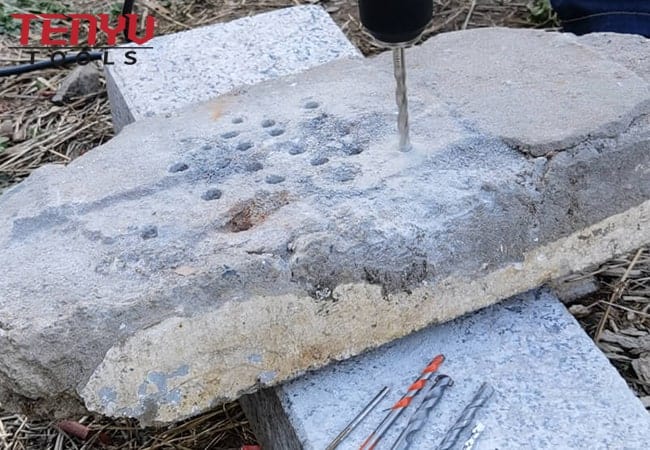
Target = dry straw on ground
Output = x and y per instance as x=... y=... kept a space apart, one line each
x=617 y=317
x=33 y=131
x=225 y=427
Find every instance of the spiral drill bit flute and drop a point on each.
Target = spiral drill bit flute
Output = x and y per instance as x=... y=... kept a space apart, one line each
x=418 y=420
x=397 y=24
x=398 y=408
x=466 y=418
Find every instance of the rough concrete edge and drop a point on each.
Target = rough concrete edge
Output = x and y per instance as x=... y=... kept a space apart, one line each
x=609 y=130
x=265 y=413
x=454 y=296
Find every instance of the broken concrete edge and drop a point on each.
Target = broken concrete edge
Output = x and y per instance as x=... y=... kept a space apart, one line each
x=191 y=66
x=426 y=305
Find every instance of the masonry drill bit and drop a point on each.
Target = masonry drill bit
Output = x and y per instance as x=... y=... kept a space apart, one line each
x=398 y=408
x=466 y=418
x=358 y=419
x=421 y=415
x=476 y=432
x=402 y=99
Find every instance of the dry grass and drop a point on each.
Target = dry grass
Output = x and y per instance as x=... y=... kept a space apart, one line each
x=42 y=132
x=617 y=317
x=225 y=427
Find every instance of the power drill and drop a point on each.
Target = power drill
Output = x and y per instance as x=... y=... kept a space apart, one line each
x=397 y=24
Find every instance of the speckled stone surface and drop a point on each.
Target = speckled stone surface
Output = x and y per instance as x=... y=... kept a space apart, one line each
x=554 y=388
x=197 y=65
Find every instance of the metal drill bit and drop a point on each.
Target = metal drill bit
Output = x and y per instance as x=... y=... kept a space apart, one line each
x=466 y=417
x=419 y=418
x=402 y=101
x=398 y=408
x=357 y=420
x=476 y=432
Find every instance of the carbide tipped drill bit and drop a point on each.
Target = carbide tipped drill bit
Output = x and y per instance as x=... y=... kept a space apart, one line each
x=357 y=420
x=476 y=433
x=466 y=417
x=419 y=418
x=402 y=100
x=398 y=408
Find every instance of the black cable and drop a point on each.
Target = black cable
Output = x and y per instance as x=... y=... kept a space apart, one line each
x=69 y=59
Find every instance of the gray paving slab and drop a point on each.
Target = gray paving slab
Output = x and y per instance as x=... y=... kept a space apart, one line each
x=196 y=65
x=554 y=388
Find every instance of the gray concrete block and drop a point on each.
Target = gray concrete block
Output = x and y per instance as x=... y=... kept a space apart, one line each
x=197 y=65
x=554 y=388
x=235 y=245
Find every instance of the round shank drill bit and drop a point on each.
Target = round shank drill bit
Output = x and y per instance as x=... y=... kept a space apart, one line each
x=398 y=408
x=466 y=418
x=421 y=415
x=402 y=99
x=358 y=419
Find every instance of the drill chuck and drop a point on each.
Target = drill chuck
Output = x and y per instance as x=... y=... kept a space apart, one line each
x=395 y=22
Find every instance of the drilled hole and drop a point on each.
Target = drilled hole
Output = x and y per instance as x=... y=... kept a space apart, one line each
x=274 y=179
x=319 y=161
x=230 y=134
x=237 y=120
x=352 y=149
x=296 y=149
x=268 y=123
x=276 y=132
x=149 y=232
x=255 y=166
x=311 y=105
x=211 y=194
x=178 y=167
x=243 y=146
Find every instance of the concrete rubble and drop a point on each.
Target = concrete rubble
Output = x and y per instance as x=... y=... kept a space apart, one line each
x=241 y=242
x=83 y=80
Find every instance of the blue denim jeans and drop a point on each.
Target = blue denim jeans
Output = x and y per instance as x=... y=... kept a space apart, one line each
x=620 y=16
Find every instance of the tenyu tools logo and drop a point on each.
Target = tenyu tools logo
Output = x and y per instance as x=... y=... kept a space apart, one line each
x=63 y=33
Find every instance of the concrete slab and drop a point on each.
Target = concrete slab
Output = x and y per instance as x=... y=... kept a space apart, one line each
x=554 y=388
x=197 y=65
x=239 y=243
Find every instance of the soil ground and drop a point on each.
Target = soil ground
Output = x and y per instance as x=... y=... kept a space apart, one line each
x=34 y=131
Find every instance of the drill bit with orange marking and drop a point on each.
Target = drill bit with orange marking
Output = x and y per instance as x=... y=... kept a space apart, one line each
x=398 y=408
